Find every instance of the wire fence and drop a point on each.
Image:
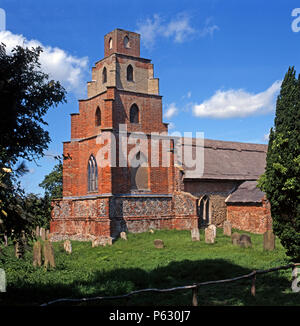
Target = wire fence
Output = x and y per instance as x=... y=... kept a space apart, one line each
x=193 y=287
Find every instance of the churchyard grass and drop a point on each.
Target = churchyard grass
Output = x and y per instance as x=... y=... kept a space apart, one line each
x=136 y=264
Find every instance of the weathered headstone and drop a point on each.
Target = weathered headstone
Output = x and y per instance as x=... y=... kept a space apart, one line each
x=101 y=241
x=269 y=240
x=37 y=254
x=48 y=254
x=195 y=234
x=235 y=238
x=68 y=246
x=214 y=228
x=227 y=228
x=123 y=235
x=245 y=241
x=19 y=248
x=209 y=236
x=37 y=232
x=43 y=234
x=47 y=234
x=159 y=244
x=2 y=280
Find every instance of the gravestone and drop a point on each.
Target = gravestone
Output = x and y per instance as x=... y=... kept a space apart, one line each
x=209 y=235
x=101 y=241
x=19 y=248
x=227 y=228
x=37 y=254
x=37 y=232
x=43 y=234
x=48 y=254
x=269 y=240
x=235 y=238
x=47 y=234
x=245 y=241
x=195 y=234
x=159 y=244
x=214 y=228
x=68 y=246
x=2 y=280
x=123 y=235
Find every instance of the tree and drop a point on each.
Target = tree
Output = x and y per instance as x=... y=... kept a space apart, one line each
x=281 y=180
x=26 y=94
x=53 y=182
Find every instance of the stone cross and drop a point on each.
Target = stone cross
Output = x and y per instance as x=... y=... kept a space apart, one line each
x=269 y=240
x=227 y=228
x=195 y=234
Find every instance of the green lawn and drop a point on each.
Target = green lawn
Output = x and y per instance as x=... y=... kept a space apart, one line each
x=135 y=264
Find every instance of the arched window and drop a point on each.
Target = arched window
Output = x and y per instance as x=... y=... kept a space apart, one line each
x=139 y=174
x=92 y=174
x=203 y=211
x=134 y=114
x=130 y=73
x=104 y=75
x=126 y=42
x=110 y=43
x=98 y=117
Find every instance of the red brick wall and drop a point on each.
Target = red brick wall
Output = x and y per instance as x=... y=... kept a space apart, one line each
x=255 y=218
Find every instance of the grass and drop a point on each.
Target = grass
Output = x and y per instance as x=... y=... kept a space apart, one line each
x=135 y=264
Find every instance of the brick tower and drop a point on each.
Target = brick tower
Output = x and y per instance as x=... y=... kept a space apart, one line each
x=103 y=200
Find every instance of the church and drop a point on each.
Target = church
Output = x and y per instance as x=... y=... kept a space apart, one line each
x=123 y=111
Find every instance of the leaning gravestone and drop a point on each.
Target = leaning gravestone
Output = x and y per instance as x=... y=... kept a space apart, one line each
x=209 y=235
x=235 y=238
x=214 y=228
x=245 y=241
x=227 y=228
x=43 y=234
x=195 y=234
x=269 y=240
x=48 y=254
x=68 y=246
x=37 y=232
x=37 y=254
x=2 y=280
x=159 y=244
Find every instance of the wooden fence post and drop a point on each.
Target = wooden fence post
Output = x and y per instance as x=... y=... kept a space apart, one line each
x=195 y=298
x=253 y=289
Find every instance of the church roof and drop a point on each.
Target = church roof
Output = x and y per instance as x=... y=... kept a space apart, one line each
x=247 y=192
x=230 y=161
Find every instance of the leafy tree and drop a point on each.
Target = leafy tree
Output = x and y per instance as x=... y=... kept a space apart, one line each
x=281 y=180
x=53 y=182
x=26 y=94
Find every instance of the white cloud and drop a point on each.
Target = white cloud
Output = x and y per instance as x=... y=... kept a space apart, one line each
x=208 y=28
x=171 y=111
x=238 y=103
x=57 y=63
x=266 y=137
x=171 y=126
x=179 y=29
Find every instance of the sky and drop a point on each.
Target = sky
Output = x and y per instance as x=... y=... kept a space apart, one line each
x=220 y=63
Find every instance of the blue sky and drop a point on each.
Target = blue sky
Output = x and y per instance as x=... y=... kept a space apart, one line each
x=219 y=62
